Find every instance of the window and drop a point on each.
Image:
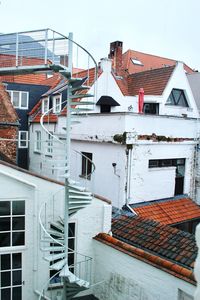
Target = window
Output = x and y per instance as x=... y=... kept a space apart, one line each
x=49 y=149
x=45 y=105
x=161 y=163
x=71 y=252
x=12 y=223
x=151 y=108
x=11 y=276
x=38 y=141
x=19 y=99
x=136 y=61
x=177 y=98
x=86 y=165
x=105 y=108
x=184 y=296
x=57 y=104
x=23 y=139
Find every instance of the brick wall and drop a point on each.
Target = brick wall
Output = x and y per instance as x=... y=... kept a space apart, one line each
x=8 y=116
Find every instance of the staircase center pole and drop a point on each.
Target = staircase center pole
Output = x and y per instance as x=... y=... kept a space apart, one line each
x=68 y=152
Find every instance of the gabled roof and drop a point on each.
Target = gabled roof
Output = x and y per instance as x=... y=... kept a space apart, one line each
x=148 y=62
x=166 y=248
x=168 y=211
x=153 y=81
x=90 y=74
x=7 y=111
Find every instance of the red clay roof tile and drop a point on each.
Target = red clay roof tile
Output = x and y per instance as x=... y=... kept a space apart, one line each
x=148 y=62
x=169 y=211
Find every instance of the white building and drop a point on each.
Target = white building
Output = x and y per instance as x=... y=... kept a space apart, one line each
x=23 y=194
x=138 y=157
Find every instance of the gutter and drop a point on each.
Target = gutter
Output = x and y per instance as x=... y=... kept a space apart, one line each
x=10 y=124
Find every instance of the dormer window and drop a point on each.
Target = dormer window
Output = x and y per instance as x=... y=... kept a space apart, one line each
x=57 y=104
x=177 y=98
x=45 y=105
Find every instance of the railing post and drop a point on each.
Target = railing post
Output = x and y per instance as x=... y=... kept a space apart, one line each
x=46 y=46
x=17 y=49
x=197 y=264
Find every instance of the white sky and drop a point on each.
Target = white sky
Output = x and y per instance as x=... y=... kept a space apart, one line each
x=169 y=28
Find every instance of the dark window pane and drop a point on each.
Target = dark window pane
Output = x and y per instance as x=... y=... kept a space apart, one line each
x=17 y=260
x=5 y=279
x=6 y=294
x=18 y=207
x=71 y=232
x=17 y=238
x=17 y=293
x=5 y=224
x=5 y=262
x=4 y=208
x=4 y=239
x=18 y=223
x=17 y=277
x=70 y=259
x=71 y=244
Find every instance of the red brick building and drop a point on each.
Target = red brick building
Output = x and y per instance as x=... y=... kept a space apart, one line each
x=8 y=127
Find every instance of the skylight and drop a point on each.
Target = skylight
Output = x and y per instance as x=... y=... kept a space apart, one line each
x=136 y=61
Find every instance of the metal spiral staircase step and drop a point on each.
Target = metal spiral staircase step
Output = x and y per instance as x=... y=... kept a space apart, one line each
x=82 y=103
x=77 y=96
x=53 y=248
x=53 y=257
x=58 y=265
x=80 y=88
x=57 y=225
x=55 y=233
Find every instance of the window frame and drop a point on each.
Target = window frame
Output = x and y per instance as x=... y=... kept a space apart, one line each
x=55 y=109
x=38 y=141
x=86 y=165
x=12 y=269
x=49 y=144
x=175 y=102
x=151 y=108
x=44 y=108
x=19 y=106
x=20 y=140
x=13 y=217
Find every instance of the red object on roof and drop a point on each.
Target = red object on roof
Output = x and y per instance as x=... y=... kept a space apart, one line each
x=169 y=212
x=140 y=100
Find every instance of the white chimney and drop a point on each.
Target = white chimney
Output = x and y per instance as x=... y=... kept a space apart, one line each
x=106 y=65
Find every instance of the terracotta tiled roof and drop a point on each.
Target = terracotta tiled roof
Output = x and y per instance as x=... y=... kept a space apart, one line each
x=169 y=211
x=148 y=62
x=88 y=73
x=153 y=82
x=10 y=61
x=53 y=81
x=122 y=84
x=164 y=247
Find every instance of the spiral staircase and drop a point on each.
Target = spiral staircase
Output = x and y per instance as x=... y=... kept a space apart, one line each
x=76 y=277
x=40 y=51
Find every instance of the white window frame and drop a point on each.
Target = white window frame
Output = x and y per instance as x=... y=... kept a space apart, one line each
x=19 y=106
x=38 y=143
x=11 y=231
x=49 y=144
x=20 y=140
x=57 y=107
x=45 y=108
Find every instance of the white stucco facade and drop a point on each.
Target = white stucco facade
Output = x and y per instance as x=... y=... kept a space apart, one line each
x=17 y=186
x=121 y=276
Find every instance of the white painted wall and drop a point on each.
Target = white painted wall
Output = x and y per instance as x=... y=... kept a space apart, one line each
x=158 y=183
x=121 y=276
x=93 y=219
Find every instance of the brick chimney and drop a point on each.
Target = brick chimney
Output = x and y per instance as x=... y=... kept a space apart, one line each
x=116 y=56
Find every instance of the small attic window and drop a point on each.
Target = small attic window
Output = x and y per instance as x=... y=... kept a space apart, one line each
x=136 y=61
